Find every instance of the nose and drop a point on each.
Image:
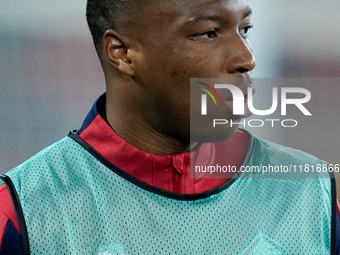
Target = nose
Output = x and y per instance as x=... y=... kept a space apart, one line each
x=241 y=58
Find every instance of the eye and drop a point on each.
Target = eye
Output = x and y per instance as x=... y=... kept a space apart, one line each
x=244 y=32
x=204 y=36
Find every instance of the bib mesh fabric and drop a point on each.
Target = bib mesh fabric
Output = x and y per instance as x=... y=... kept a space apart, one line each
x=73 y=204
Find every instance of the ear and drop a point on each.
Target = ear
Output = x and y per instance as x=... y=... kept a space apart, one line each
x=117 y=52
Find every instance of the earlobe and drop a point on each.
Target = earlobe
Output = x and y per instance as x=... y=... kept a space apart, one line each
x=117 y=53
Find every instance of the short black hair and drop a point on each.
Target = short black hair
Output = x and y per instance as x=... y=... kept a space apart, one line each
x=102 y=15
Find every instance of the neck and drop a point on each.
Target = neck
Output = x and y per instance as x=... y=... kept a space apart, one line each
x=143 y=137
x=137 y=132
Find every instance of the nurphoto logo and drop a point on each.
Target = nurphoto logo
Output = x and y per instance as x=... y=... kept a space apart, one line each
x=241 y=101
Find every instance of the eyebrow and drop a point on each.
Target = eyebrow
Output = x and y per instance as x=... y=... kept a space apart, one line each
x=204 y=18
x=248 y=13
x=215 y=17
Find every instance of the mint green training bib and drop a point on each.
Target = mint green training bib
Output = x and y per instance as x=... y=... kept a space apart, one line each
x=76 y=203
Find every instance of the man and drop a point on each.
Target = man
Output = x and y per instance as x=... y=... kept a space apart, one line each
x=121 y=183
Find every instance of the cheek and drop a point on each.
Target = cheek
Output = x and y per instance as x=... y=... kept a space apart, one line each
x=195 y=66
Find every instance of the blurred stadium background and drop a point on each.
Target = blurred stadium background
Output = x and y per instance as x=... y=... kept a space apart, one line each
x=50 y=74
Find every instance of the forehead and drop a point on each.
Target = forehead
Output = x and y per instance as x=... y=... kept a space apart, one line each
x=184 y=8
x=177 y=8
x=165 y=16
x=188 y=6
x=174 y=11
x=226 y=10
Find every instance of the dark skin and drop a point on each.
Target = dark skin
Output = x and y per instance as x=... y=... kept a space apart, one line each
x=148 y=64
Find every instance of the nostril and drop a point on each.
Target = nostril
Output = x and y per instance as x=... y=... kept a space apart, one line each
x=242 y=70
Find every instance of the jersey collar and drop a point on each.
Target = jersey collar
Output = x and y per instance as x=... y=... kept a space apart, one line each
x=168 y=172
